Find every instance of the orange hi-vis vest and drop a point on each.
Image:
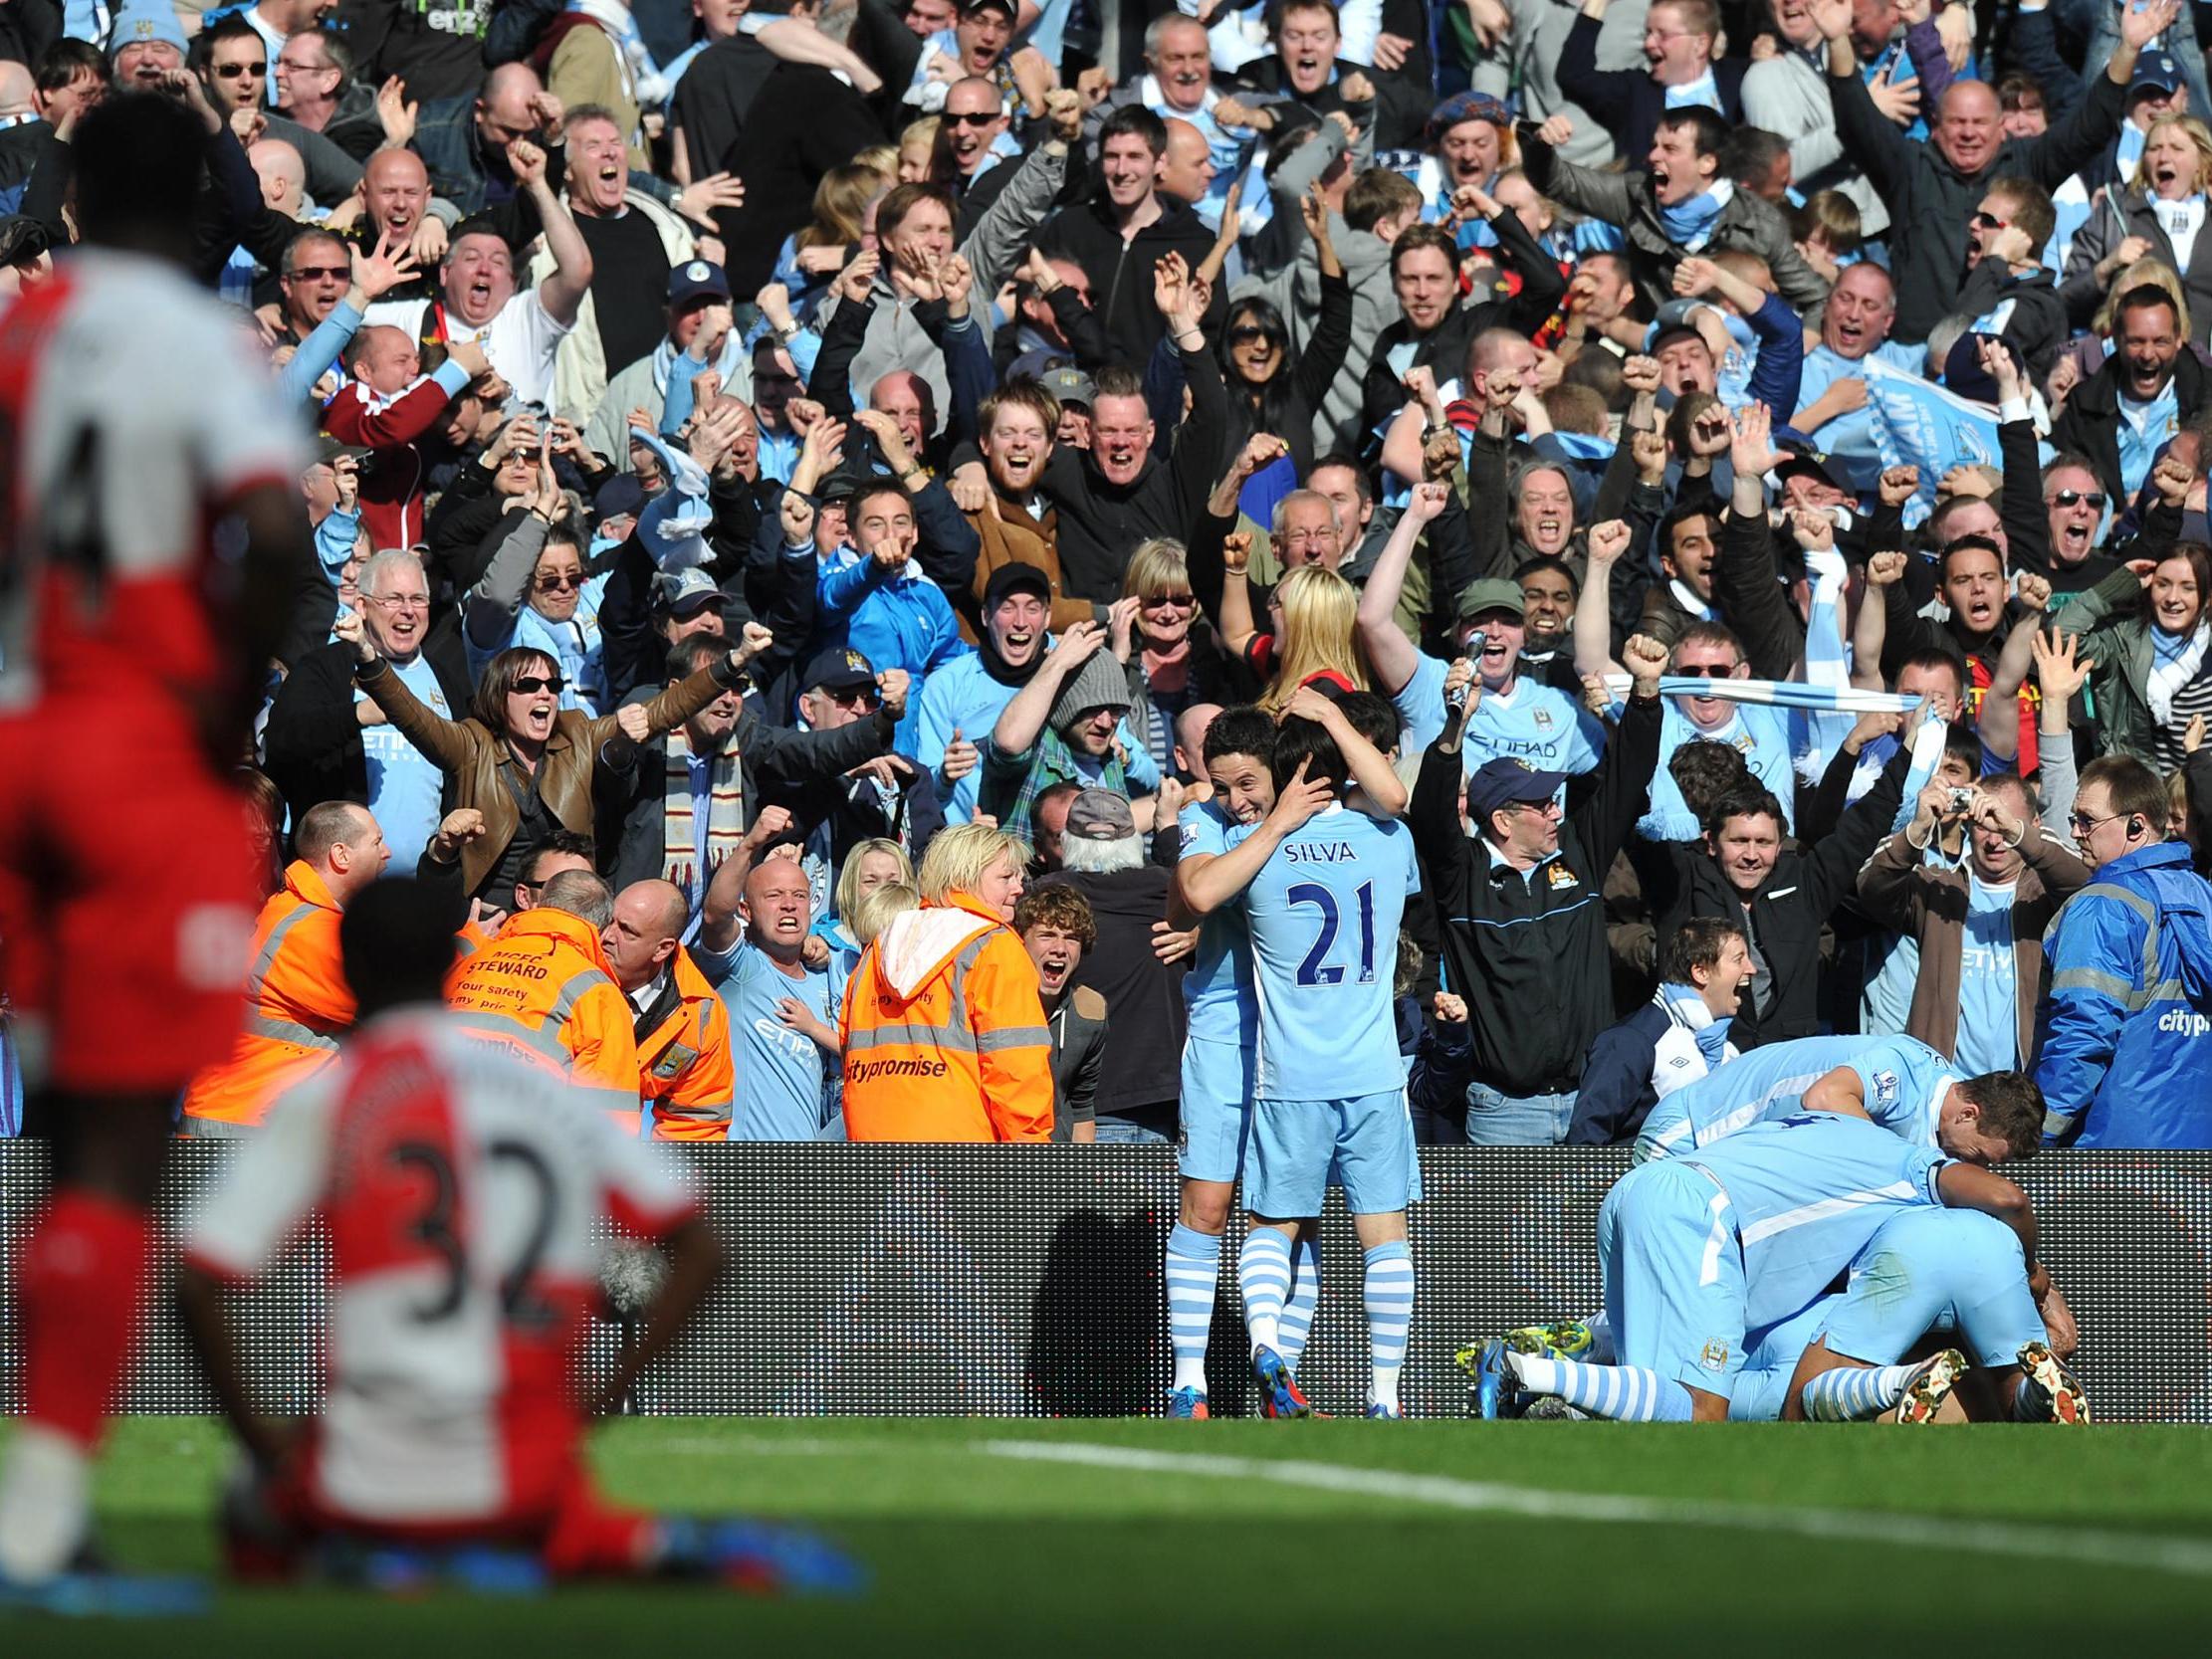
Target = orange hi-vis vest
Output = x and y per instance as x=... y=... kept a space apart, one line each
x=945 y=1037
x=683 y=1064
x=296 y=1003
x=541 y=990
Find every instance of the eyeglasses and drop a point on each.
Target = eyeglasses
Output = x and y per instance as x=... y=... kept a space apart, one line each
x=303 y=69
x=2075 y=498
x=231 y=71
x=559 y=584
x=2081 y=823
x=1990 y=222
x=1312 y=538
x=1706 y=671
x=1249 y=333
x=399 y=601
x=1171 y=601
x=964 y=117
x=319 y=272
x=529 y=685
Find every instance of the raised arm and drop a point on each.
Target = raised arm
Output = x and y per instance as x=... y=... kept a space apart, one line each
x=1594 y=605
x=563 y=289
x=1023 y=719
x=721 y=910
x=1393 y=656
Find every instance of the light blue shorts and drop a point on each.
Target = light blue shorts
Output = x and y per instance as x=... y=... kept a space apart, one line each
x=1673 y=1274
x=1365 y=1141
x=1937 y=1270
x=1770 y=1360
x=1216 y=1109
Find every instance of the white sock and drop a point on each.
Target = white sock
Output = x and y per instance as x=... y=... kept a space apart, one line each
x=1263 y=1273
x=45 y=1504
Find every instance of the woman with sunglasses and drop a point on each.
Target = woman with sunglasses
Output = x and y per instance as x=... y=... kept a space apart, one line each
x=520 y=758
x=1272 y=388
x=2147 y=631
x=1173 y=657
x=537 y=592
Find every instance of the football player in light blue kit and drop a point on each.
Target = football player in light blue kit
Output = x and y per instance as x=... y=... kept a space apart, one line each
x=1226 y=839
x=1324 y=914
x=1701 y=1249
x=1900 y=1083
x=1957 y=1272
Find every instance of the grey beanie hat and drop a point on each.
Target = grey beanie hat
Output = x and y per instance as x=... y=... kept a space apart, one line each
x=1101 y=682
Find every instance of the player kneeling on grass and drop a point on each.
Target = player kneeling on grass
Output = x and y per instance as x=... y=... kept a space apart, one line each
x=461 y=1191
x=1699 y=1251
x=1957 y=1275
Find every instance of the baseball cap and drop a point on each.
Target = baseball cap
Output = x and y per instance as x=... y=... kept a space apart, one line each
x=1099 y=815
x=969 y=8
x=1017 y=576
x=1504 y=780
x=1491 y=593
x=1804 y=459
x=328 y=449
x=841 y=486
x=695 y=279
x=686 y=591
x=2159 y=70
x=839 y=669
x=621 y=496
x=1675 y=318
x=1069 y=385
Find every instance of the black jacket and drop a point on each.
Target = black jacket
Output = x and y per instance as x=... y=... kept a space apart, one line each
x=1101 y=523
x=802 y=121
x=1144 y=998
x=2035 y=326
x=2090 y=420
x=774 y=758
x=1528 y=951
x=312 y=746
x=1121 y=272
x=1627 y=102
x=1399 y=111
x=1681 y=880
x=1617 y=1092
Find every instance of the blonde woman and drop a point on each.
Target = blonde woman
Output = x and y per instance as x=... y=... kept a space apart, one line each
x=873 y=863
x=943 y=1028
x=1313 y=616
x=2159 y=216
x=1173 y=658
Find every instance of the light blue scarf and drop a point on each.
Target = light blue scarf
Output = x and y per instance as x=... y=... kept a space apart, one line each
x=1689 y=224
x=1687 y=1007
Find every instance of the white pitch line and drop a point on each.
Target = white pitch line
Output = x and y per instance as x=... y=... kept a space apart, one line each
x=2149 y=1550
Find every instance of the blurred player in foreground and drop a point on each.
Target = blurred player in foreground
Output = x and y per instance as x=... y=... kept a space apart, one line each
x=461 y=1191
x=153 y=543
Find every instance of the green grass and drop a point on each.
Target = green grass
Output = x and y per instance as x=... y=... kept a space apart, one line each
x=977 y=1552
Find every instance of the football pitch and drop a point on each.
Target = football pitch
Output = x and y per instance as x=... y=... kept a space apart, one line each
x=1138 y=1536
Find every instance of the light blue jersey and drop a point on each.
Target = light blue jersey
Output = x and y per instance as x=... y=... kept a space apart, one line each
x=1324 y=914
x=1218 y=990
x=1903 y=1083
x=1988 y=983
x=404 y=788
x=786 y=1082
x=1534 y=723
x=1804 y=1195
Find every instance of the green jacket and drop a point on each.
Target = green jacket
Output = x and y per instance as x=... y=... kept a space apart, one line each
x=2116 y=638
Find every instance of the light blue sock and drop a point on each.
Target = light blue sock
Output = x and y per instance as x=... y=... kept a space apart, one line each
x=1306 y=1297
x=1390 y=1313
x=1193 y=1270
x=1850 y=1395
x=1263 y=1271
x=1625 y=1393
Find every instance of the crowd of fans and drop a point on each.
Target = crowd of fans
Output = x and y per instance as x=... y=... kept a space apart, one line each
x=814 y=496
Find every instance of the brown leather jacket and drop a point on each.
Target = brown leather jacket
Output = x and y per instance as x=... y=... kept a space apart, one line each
x=1012 y=537
x=472 y=756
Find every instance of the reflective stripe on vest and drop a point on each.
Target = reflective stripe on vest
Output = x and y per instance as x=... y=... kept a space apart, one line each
x=267 y=1025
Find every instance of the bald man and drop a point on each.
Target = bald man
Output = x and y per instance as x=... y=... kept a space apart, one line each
x=682 y=1028
x=464 y=141
x=283 y=175
x=784 y=994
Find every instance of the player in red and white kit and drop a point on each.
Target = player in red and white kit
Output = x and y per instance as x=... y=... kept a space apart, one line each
x=461 y=1191
x=152 y=545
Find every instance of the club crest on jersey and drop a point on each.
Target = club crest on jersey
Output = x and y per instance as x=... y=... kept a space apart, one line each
x=1542 y=717
x=1560 y=877
x=1714 y=1358
x=1886 y=1088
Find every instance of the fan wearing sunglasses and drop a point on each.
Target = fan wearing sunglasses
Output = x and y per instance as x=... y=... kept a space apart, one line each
x=535 y=593
x=523 y=761
x=1272 y=386
x=2073 y=503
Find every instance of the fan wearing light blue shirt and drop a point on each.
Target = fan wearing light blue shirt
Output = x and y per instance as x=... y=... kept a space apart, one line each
x=1328 y=1076
x=784 y=1010
x=1698 y=1251
x=1516 y=717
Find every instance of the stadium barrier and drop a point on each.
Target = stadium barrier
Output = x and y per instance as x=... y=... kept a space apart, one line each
x=1001 y=1281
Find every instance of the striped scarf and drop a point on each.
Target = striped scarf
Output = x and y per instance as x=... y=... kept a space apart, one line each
x=678 y=825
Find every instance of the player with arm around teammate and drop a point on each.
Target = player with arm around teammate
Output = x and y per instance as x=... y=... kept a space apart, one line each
x=1328 y=1079
x=461 y=1191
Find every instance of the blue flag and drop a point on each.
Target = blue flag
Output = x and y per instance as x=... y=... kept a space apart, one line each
x=1917 y=423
